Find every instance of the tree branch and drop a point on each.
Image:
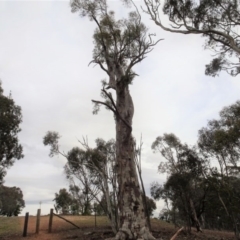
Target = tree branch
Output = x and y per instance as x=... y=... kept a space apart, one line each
x=105 y=104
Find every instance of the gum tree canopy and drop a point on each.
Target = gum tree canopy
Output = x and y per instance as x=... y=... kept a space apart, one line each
x=11 y=201
x=10 y=119
x=217 y=20
x=118 y=46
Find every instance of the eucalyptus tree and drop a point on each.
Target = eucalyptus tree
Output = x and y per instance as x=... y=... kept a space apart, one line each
x=11 y=201
x=10 y=119
x=76 y=168
x=118 y=46
x=92 y=174
x=216 y=20
x=95 y=169
x=63 y=201
x=185 y=171
x=219 y=142
x=221 y=139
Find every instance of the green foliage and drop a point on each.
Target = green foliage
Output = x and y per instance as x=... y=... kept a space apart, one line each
x=51 y=139
x=10 y=119
x=185 y=171
x=11 y=199
x=180 y=158
x=151 y=205
x=213 y=190
x=63 y=201
x=220 y=141
x=221 y=138
x=81 y=201
x=74 y=202
x=118 y=46
x=89 y=166
x=217 y=20
x=221 y=191
x=99 y=209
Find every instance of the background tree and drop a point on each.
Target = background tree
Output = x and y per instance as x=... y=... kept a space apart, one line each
x=10 y=119
x=151 y=205
x=76 y=167
x=217 y=20
x=102 y=206
x=118 y=46
x=103 y=167
x=12 y=202
x=80 y=204
x=185 y=172
x=92 y=173
x=221 y=138
x=221 y=203
x=63 y=201
x=219 y=141
x=195 y=184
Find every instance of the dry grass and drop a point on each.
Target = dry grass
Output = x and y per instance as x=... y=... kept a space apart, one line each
x=10 y=225
x=156 y=224
x=11 y=228
x=15 y=224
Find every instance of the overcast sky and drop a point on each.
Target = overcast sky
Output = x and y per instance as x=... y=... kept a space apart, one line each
x=44 y=54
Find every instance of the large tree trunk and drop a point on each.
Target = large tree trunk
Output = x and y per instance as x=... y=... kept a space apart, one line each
x=133 y=222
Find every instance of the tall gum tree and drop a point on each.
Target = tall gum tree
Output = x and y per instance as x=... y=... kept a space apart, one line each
x=118 y=46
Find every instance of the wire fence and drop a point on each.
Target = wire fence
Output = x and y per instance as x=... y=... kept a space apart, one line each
x=54 y=222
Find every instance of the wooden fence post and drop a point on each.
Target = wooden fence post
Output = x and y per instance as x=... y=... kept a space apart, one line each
x=38 y=220
x=50 y=221
x=25 y=225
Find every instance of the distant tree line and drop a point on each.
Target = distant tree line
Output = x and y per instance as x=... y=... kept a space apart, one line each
x=72 y=202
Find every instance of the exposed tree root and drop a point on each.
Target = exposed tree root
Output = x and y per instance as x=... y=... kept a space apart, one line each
x=144 y=234
x=126 y=234
x=175 y=235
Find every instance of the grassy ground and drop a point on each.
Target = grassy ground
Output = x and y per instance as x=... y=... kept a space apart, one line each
x=15 y=224
x=12 y=228
x=10 y=225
